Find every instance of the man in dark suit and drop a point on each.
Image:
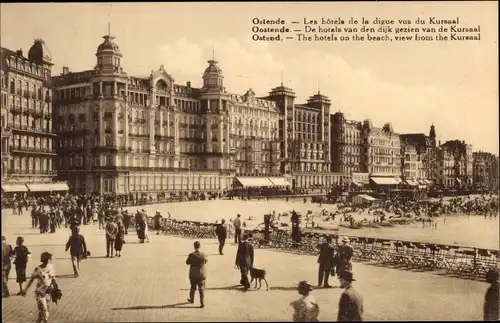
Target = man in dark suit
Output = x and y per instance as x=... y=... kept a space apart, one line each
x=325 y=261
x=491 y=304
x=77 y=249
x=221 y=233
x=351 y=303
x=244 y=260
x=197 y=275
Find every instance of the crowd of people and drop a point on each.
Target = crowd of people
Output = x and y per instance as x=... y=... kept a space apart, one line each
x=52 y=213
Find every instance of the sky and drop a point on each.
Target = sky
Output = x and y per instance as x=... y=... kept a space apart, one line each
x=453 y=85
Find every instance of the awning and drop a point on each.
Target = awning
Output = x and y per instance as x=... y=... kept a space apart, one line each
x=411 y=182
x=368 y=197
x=385 y=180
x=422 y=182
x=255 y=181
x=279 y=181
x=13 y=188
x=357 y=183
x=48 y=187
x=398 y=179
x=362 y=198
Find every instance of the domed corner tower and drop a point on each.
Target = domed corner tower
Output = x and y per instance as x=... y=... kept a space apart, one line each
x=213 y=79
x=40 y=54
x=108 y=56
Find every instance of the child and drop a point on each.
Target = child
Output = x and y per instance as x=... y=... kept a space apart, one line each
x=21 y=253
x=44 y=275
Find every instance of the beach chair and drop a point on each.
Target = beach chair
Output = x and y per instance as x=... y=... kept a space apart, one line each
x=383 y=250
x=406 y=258
x=485 y=261
x=367 y=250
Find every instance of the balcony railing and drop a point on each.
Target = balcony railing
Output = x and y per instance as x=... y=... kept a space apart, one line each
x=21 y=149
x=33 y=172
x=31 y=129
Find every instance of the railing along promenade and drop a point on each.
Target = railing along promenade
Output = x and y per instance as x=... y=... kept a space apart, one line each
x=450 y=260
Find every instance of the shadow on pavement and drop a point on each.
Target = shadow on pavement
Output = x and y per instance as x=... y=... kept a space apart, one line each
x=48 y=245
x=290 y=288
x=153 y=307
x=234 y=287
x=66 y=276
x=29 y=234
x=210 y=254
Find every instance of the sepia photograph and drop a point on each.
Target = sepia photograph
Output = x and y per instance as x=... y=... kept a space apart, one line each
x=250 y=161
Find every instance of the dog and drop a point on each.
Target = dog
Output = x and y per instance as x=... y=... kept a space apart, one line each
x=258 y=275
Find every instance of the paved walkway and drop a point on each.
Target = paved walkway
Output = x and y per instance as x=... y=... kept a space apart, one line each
x=149 y=283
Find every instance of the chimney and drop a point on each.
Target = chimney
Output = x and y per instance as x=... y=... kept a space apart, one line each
x=188 y=84
x=19 y=52
x=439 y=143
x=65 y=70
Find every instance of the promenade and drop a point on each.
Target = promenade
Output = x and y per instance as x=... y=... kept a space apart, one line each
x=149 y=283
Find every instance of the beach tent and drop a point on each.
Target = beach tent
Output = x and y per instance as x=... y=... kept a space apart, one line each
x=363 y=199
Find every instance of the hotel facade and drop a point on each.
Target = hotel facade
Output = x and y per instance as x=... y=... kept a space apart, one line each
x=28 y=154
x=122 y=134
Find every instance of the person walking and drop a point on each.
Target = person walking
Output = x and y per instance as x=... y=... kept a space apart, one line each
x=111 y=232
x=126 y=220
x=325 y=261
x=344 y=256
x=237 y=229
x=491 y=311
x=244 y=260
x=120 y=239
x=6 y=266
x=351 y=303
x=157 y=222
x=221 y=233
x=197 y=275
x=44 y=275
x=21 y=254
x=34 y=217
x=77 y=248
x=306 y=308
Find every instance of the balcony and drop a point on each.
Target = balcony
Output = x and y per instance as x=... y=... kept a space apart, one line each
x=16 y=109
x=32 y=130
x=32 y=150
x=30 y=172
x=6 y=132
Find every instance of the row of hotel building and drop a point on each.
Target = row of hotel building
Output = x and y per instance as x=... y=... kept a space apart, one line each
x=103 y=131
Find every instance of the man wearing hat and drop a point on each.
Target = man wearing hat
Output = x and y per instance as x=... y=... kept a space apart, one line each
x=491 y=300
x=351 y=303
x=111 y=232
x=126 y=220
x=244 y=260
x=326 y=262
x=344 y=256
